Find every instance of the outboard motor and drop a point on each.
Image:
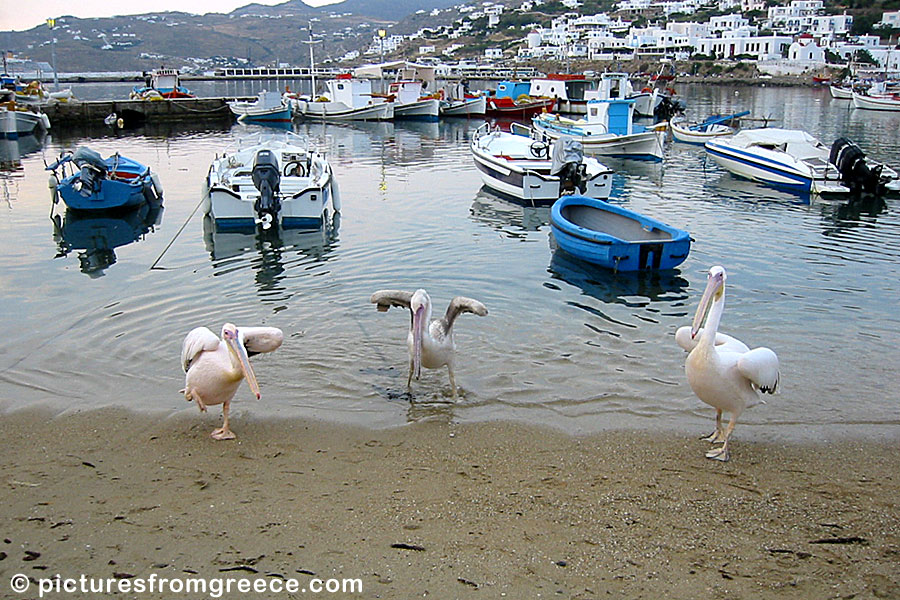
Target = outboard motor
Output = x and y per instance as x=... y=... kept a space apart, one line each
x=850 y=161
x=567 y=164
x=267 y=179
x=93 y=170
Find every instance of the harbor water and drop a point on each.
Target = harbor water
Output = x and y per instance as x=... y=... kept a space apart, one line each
x=87 y=322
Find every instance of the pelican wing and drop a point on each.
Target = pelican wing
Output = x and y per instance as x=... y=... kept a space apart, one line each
x=723 y=341
x=200 y=339
x=760 y=366
x=261 y=339
x=459 y=305
x=385 y=299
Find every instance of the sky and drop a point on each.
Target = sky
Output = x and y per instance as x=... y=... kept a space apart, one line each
x=19 y=16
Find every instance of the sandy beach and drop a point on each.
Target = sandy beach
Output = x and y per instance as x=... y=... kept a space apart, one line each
x=440 y=510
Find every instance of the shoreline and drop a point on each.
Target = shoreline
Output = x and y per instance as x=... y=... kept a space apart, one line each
x=445 y=509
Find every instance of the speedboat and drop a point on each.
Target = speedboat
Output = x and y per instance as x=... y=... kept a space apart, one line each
x=614 y=237
x=530 y=170
x=346 y=99
x=102 y=184
x=270 y=181
x=608 y=130
x=269 y=108
x=794 y=160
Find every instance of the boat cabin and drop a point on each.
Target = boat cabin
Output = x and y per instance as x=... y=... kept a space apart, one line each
x=406 y=92
x=350 y=91
x=562 y=87
x=617 y=114
x=512 y=89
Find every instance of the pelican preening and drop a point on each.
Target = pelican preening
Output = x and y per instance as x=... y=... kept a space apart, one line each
x=722 y=370
x=215 y=368
x=430 y=342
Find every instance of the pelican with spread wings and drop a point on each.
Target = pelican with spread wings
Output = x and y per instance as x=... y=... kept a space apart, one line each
x=430 y=342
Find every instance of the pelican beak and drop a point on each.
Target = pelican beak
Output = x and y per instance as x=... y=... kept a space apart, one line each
x=713 y=289
x=418 y=333
x=237 y=344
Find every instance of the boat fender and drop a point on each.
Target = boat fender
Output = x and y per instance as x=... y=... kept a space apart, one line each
x=157 y=185
x=45 y=121
x=335 y=194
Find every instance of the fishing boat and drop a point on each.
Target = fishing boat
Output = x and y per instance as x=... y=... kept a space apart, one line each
x=270 y=181
x=511 y=100
x=887 y=102
x=614 y=237
x=346 y=99
x=95 y=183
x=161 y=84
x=700 y=133
x=269 y=108
x=469 y=106
x=410 y=103
x=18 y=119
x=840 y=92
x=608 y=130
x=794 y=160
x=530 y=170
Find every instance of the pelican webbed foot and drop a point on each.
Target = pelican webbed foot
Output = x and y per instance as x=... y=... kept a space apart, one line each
x=223 y=433
x=720 y=454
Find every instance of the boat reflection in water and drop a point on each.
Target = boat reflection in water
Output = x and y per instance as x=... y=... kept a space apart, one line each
x=12 y=151
x=627 y=288
x=271 y=253
x=512 y=219
x=96 y=234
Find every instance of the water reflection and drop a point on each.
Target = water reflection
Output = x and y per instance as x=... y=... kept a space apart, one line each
x=12 y=151
x=857 y=211
x=511 y=219
x=630 y=289
x=271 y=253
x=96 y=235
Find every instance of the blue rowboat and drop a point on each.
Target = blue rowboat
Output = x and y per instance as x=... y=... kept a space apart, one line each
x=103 y=184
x=614 y=237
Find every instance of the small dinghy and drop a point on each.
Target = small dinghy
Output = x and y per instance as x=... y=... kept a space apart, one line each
x=700 y=133
x=103 y=184
x=614 y=237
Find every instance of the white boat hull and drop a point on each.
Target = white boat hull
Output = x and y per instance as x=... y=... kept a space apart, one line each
x=470 y=107
x=875 y=102
x=840 y=93
x=688 y=136
x=427 y=110
x=507 y=167
x=304 y=196
x=647 y=144
x=338 y=111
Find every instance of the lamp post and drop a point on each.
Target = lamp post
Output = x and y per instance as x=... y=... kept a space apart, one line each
x=381 y=34
x=51 y=23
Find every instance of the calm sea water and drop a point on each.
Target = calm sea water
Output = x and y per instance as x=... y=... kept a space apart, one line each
x=565 y=344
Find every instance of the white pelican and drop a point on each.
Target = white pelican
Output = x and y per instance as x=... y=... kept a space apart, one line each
x=430 y=345
x=214 y=368
x=722 y=370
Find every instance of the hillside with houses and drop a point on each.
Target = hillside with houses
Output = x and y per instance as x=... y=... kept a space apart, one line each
x=789 y=38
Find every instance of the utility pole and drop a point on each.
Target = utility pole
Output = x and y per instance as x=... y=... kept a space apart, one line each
x=51 y=23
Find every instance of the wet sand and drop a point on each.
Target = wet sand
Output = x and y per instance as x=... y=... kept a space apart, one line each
x=439 y=510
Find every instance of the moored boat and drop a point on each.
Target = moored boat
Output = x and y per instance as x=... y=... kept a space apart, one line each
x=840 y=92
x=346 y=99
x=472 y=106
x=887 y=102
x=269 y=108
x=614 y=237
x=161 y=84
x=409 y=103
x=271 y=181
x=102 y=184
x=530 y=170
x=700 y=133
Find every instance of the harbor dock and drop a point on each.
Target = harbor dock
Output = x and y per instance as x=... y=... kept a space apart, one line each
x=180 y=109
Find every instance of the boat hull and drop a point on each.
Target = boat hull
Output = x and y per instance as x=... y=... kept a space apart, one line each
x=616 y=238
x=840 y=93
x=686 y=135
x=338 y=111
x=875 y=103
x=510 y=110
x=421 y=110
x=470 y=107
x=515 y=175
x=645 y=145
x=748 y=166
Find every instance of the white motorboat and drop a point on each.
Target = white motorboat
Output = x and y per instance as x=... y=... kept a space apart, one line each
x=608 y=130
x=346 y=99
x=530 y=170
x=269 y=108
x=794 y=160
x=465 y=107
x=409 y=103
x=883 y=102
x=269 y=181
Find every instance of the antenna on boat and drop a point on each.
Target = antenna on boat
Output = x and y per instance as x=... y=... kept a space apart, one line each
x=312 y=64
